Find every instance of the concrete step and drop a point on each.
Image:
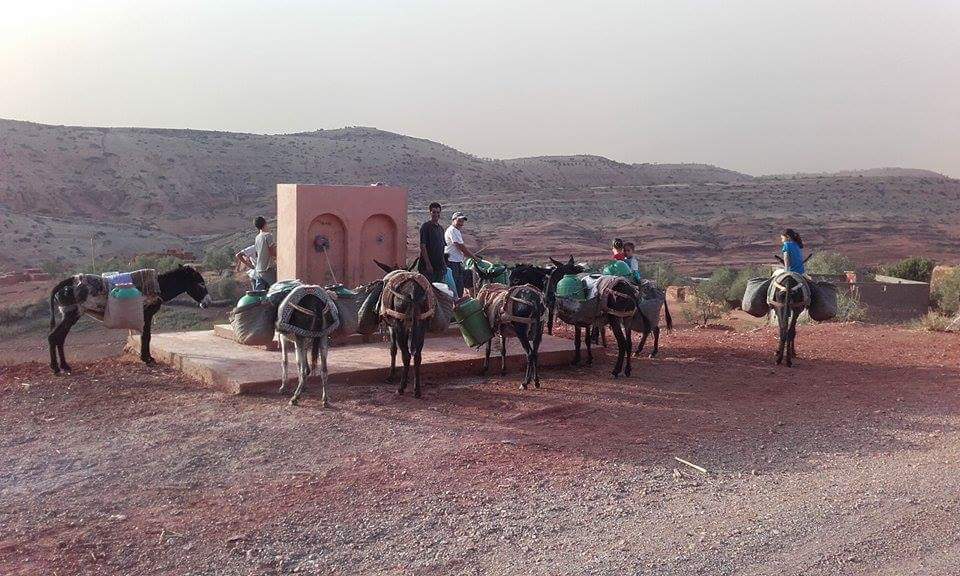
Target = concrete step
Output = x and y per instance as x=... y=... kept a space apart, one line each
x=219 y=363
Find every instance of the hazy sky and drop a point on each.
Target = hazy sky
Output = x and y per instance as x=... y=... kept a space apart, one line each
x=760 y=86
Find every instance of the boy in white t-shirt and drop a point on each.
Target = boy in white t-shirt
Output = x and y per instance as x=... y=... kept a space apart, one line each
x=456 y=252
x=246 y=259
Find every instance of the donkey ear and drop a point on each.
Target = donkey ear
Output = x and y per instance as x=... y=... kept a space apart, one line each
x=571 y=262
x=555 y=262
x=385 y=267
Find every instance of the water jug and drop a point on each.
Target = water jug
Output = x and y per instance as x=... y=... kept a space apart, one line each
x=468 y=314
x=571 y=287
x=617 y=268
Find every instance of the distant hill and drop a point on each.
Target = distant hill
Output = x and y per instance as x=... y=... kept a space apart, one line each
x=68 y=191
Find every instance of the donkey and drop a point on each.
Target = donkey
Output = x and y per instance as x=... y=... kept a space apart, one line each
x=73 y=297
x=788 y=302
x=559 y=270
x=519 y=312
x=406 y=308
x=616 y=309
x=652 y=299
x=313 y=315
x=536 y=276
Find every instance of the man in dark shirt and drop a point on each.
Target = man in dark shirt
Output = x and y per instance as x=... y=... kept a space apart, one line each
x=431 y=246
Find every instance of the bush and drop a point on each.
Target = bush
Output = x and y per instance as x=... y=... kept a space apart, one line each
x=849 y=308
x=932 y=322
x=829 y=263
x=218 y=259
x=739 y=285
x=916 y=268
x=663 y=273
x=226 y=289
x=717 y=287
x=704 y=307
x=947 y=294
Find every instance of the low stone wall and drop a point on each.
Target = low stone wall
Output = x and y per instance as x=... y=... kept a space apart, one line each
x=892 y=300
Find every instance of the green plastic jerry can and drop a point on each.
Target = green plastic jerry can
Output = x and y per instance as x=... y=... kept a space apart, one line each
x=468 y=314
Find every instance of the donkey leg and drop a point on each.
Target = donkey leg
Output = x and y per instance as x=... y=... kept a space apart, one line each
x=503 y=354
x=147 y=332
x=642 y=343
x=782 y=322
x=393 y=355
x=303 y=369
x=656 y=342
x=419 y=334
x=324 y=373
x=535 y=345
x=791 y=336
x=404 y=343
x=528 y=377
x=628 y=338
x=576 y=346
x=55 y=340
x=486 y=357
x=589 y=350
x=621 y=347
x=284 y=349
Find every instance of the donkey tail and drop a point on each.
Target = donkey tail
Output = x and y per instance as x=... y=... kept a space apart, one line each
x=666 y=314
x=53 y=294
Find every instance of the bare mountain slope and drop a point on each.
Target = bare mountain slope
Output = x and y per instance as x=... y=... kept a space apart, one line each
x=137 y=189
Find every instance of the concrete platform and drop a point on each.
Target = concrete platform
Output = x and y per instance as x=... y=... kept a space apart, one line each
x=222 y=364
x=226 y=331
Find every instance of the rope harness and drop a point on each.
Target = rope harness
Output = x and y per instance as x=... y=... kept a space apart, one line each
x=499 y=302
x=395 y=280
x=778 y=286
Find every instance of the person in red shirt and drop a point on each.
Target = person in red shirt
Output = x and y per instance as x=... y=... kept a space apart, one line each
x=618 y=249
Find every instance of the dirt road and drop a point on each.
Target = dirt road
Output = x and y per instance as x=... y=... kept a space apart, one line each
x=846 y=464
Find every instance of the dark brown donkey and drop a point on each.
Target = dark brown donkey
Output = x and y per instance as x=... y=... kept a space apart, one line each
x=74 y=298
x=406 y=306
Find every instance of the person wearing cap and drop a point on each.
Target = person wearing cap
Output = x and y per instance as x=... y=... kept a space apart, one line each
x=456 y=251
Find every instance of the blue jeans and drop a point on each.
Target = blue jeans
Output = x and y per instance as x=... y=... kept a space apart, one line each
x=457 y=269
x=263 y=280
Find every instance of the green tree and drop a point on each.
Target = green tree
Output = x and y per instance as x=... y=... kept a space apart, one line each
x=218 y=259
x=916 y=268
x=947 y=294
x=663 y=273
x=739 y=284
x=829 y=263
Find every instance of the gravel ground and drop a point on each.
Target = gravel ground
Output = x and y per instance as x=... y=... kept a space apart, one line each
x=845 y=464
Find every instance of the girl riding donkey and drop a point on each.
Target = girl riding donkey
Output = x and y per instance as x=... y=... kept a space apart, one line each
x=87 y=294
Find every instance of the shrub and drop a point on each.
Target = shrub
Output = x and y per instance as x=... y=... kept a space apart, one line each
x=739 y=285
x=218 y=259
x=849 y=307
x=947 y=294
x=717 y=286
x=704 y=307
x=226 y=289
x=931 y=322
x=915 y=268
x=829 y=263
x=663 y=273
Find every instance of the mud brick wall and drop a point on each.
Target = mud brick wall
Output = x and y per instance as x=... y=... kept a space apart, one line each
x=892 y=303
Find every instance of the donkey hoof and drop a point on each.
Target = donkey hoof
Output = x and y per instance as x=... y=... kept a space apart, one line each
x=536 y=383
x=55 y=370
x=294 y=401
x=627 y=372
x=417 y=394
x=326 y=403
x=523 y=386
x=149 y=361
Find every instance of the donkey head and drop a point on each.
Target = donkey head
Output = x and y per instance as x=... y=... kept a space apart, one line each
x=560 y=269
x=530 y=274
x=388 y=268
